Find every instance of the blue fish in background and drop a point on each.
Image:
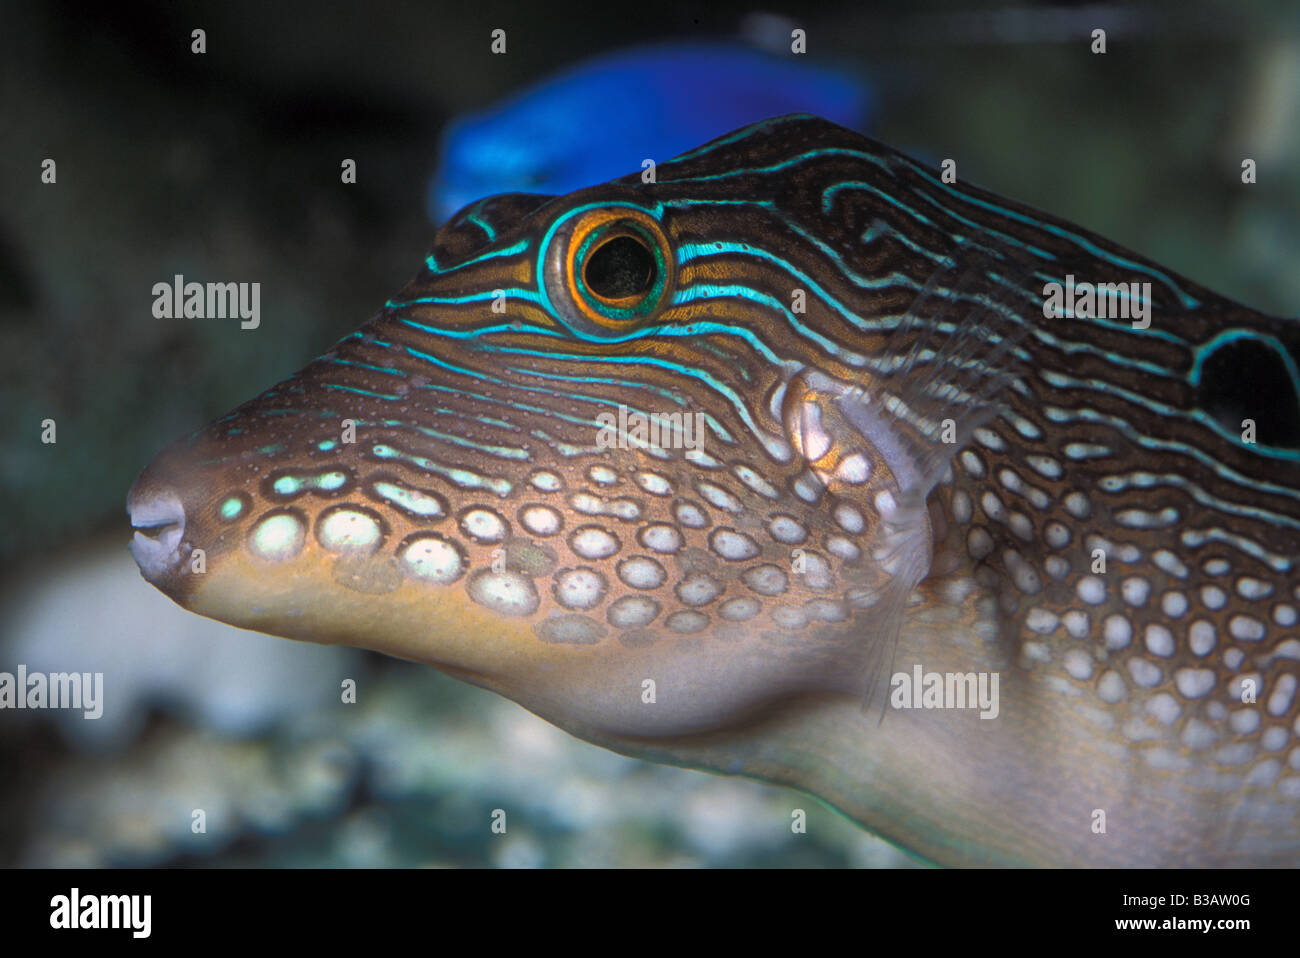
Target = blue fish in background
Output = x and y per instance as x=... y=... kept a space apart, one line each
x=600 y=118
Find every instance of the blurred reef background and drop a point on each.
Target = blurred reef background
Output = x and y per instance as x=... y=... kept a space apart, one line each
x=225 y=166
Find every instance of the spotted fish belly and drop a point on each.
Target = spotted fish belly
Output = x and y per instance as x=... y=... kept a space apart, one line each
x=803 y=464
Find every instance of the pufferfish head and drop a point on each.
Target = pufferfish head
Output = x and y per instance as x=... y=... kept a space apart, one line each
x=594 y=456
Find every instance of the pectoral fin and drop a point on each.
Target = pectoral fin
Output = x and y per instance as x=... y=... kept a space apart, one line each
x=950 y=360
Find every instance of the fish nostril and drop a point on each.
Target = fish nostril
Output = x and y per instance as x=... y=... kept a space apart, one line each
x=158 y=518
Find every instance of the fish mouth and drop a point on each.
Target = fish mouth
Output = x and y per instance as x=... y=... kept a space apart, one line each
x=158 y=520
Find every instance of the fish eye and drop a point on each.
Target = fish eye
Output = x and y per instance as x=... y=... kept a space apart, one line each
x=609 y=270
x=620 y=268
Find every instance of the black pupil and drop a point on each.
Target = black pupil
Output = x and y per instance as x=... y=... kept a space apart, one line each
x=622 y=267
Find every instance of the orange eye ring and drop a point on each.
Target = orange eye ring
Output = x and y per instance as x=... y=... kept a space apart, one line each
x=609 y=269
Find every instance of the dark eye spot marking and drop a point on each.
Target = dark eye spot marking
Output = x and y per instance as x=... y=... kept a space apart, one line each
x=1248 y=378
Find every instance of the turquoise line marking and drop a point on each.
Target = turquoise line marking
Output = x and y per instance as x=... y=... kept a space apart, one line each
x=484 y=331
x=1198 y=537
x=703 y=251
x=501 y=452
x=460 y=477
x=370 y=366
x=526 y=407
x=1005 y=237
x=477 y=221
x=1188 y=301
x=1103 y=289
x=879 y=229
x=708 y=291
x=360 y=392
x=1164 y=445
x=551 y=393
x=1147 y=480
x=687 y=203
x=513 y=250
x=622 y=383
x=828 y=200
x=721 y=388
x=510 y=292
x=718 y=428
x=1060 y=380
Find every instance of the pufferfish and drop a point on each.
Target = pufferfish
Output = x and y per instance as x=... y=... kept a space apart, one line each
x=796 y=461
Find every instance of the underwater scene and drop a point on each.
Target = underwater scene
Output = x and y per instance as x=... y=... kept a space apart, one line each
x=785 y=436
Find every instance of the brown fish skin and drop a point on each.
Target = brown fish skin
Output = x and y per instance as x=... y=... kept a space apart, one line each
x=1098 y=534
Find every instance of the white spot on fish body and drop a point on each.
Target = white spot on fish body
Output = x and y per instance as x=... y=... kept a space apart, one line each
x=593 y=542
x=661 y=538
x=1077 y=624
x=654 y=484
x=642 y=572
x=741 y=609
x=732 y=545
x=1164 y=708
x=632 y=610
x=698 y=589
x=580 y=588
x=1145 y=673
x=1194 y=683
x=1173 y=604
x=506 y=593
x=972 y=463
x=1201 y=637
x=1118 y=632
x=719 y=497
x=1246 y=628
x=278 y=536
x=1135 y=590
x=849 y=518
x=541 y=520
x=345 y=529
x=1110 y=687
x=1168 y=562
x=544 y=481
x=690 y=515
x=432 y=558
x=1078 y=664
x=1045 y=466
x=1159 y=640
x=483 y=525
x=1077 y=505
x=1091 y=590
x=1249 y=587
